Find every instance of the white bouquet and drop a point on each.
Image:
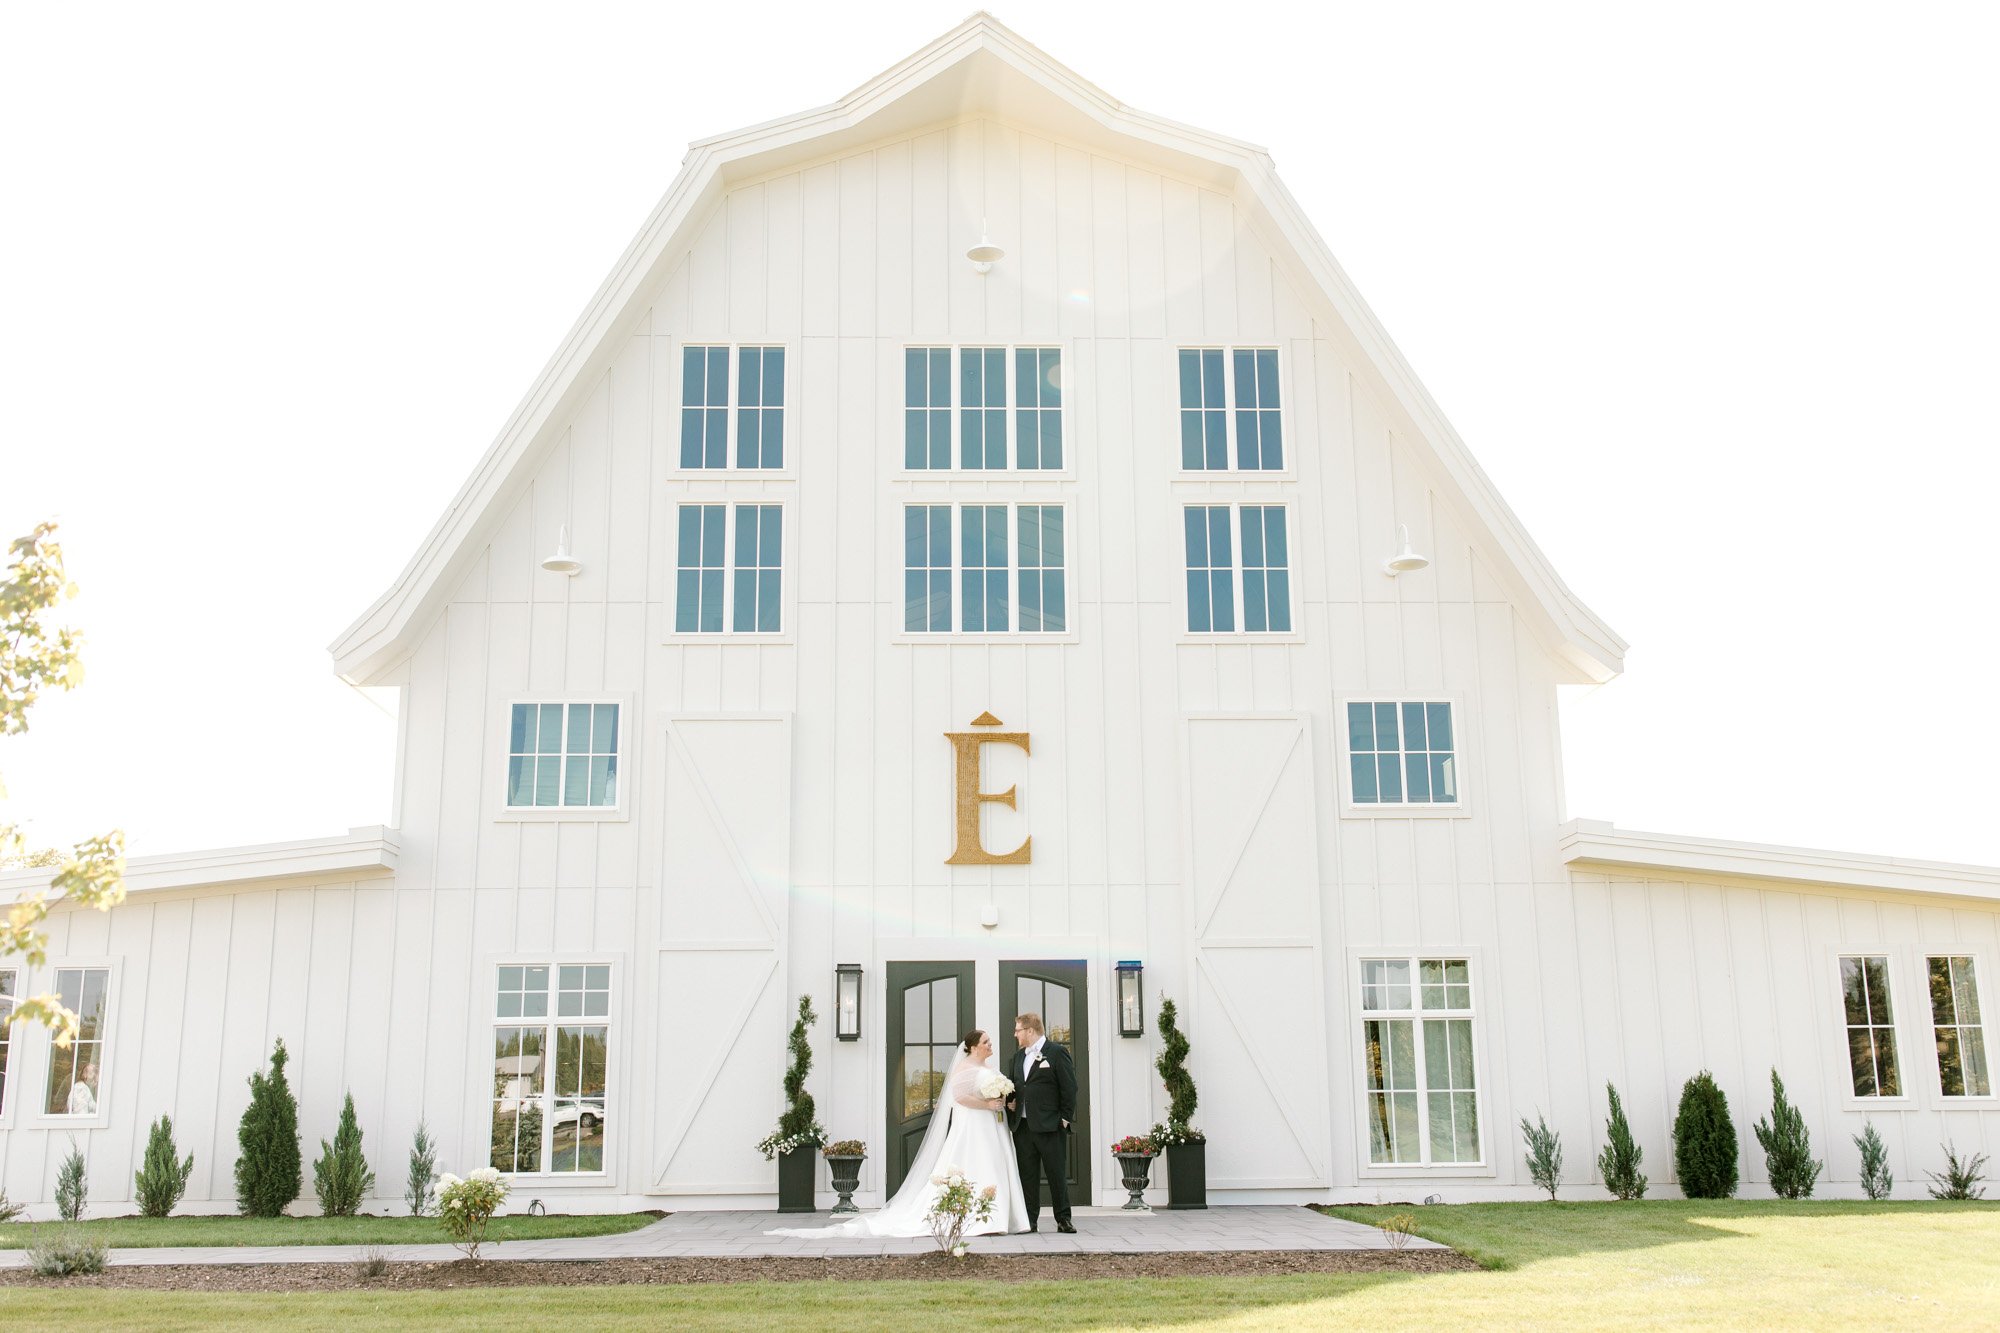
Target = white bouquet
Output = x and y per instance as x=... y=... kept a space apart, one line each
x=995 y=1084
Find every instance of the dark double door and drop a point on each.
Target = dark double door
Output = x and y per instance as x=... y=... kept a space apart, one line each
x=932 y=1005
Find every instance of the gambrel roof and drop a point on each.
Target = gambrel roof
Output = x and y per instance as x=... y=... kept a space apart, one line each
x=980 y=67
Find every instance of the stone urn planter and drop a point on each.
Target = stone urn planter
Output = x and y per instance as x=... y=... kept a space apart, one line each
x=796 y=1172
x=1187 y=1175
x=1135 y=1170
x=843 y=1163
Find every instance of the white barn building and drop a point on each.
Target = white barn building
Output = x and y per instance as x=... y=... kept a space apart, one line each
x=1111 y=518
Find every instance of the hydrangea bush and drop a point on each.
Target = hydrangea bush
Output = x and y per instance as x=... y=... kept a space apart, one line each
x=466 y=1206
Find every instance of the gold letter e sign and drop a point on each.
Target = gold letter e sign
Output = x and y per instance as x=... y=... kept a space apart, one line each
x=968 y=850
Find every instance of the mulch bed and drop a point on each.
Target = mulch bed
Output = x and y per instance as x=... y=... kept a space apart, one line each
x=679 y=1272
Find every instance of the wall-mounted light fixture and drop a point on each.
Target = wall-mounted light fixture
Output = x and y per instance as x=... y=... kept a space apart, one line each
x=847 y=1002
x=562 y=562
x=985 y=254
x=1405 y=561
x=1131 y=1003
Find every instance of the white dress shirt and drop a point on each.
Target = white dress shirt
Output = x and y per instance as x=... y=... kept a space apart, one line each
x=1032 y=1054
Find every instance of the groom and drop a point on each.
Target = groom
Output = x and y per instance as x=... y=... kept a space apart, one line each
x=1040 y=1109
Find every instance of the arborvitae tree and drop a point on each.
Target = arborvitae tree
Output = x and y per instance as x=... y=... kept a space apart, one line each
x=1787 y=1147
x=269 y=1171
x=420 y=1191
x=72 y=1185
x=1876 y=1182
x=341 y=1177
x=1619 y=1162
x=1705 y=1141
x=1172 y=1067
x=1545 y=1154
x=799 y=1125
x=164 y=1176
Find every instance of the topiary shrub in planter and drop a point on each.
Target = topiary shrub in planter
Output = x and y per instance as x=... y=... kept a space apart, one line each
x=843 y=1164
x=1705 y=1141
x=798 y=1127
x=1787 y=1147
x=1185 y=1146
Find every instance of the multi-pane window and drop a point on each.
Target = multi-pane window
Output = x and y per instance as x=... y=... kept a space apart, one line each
x=997 y=429
x=549 y=1070
x=705 y=600
x=1229 y=400
x=759 y=407
x=1416 y=1033
x=969 y=585
x=1216 y=586
x=1402 y=753
x=7 y=998
x=76 y=1071
x=1871 y=1026
x=1961 y=1034
x=562 y=755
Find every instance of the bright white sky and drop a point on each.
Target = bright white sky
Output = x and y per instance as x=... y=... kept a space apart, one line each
x=1708 y=289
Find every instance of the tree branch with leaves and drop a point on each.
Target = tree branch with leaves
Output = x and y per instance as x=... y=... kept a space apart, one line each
x=35 y=655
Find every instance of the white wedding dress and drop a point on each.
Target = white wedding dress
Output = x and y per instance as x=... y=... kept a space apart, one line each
x=962 y=1134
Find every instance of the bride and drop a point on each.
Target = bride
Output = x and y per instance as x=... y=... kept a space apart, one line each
x=967 y=1131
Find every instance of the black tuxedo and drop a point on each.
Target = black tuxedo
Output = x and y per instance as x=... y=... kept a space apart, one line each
x=1044 y=1102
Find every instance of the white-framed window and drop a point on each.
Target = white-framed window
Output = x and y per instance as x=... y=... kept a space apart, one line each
x=1418 y=1062
x=1218 y=583
x=1963 y=1070
x=551 y=1060
x=1402 y=752
x=76 y=1072
x=1003 y=572
x=1231 y=419
x=562 y=755
x=9 y=987
x=744 y=430
x=1871 y=1025
x=729 y=568
x=1001 y=411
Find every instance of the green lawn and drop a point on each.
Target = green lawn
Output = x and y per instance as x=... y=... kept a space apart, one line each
x=1651 y=1265
x=147 y=1232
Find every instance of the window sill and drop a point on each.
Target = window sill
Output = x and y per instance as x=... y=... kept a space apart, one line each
x=1381 y=811
x=574 y=814
x=557 y=1177
x=1381 y=1170
x=726 y=474
x=1184 y=477
x=724 y=638
x=967 y=638
x=1004 y=475
x=1195 y=639
x=101 y=1120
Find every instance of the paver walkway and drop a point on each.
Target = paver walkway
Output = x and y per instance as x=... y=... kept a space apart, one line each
x=741 y=1235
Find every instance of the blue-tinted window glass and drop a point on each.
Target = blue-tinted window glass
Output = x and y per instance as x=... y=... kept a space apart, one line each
x=927 y=407
x=1211 y=570
x=982 y=425
x=927 y=568
x=698 y=570
x=704 y=406
x=758 y=569
x=1259 y=438
x=1204 y=420
x=1038 y=407
x=1267 y=593
x=760 y=407
x=1402 y=753
x=552 y=749
x=983 y=567
x=1039 y=555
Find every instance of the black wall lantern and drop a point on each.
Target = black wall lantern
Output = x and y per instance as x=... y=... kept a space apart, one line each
x=847 y=1002
x=1131 y=1005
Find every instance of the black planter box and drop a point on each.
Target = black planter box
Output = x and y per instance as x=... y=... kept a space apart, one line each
x=1187 y=1175
x=796 y=1172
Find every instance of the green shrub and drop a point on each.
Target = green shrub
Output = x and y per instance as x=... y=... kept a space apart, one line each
x=341 y=1177
x=1960 y=1179
x=9 y=1211
x=1876 y=1182
x=1545 y=1154
x=420 y=1189
x=72 y=1185
x=66 y=1252
x=269 y=1171
x=1705 y=1141
x=1787 y=1147
x=1619 y=1162
x=798 y=1126
x=1173 y=1071
x=161 y=1180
